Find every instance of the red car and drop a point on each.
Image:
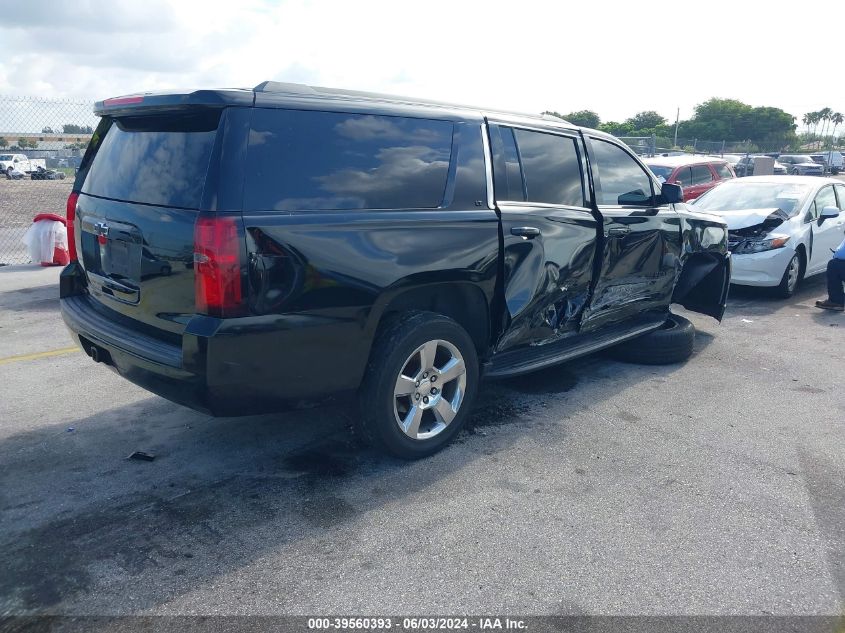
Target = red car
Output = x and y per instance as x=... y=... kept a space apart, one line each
x=696 y=174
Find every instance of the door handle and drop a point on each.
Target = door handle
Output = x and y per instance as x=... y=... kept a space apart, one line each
x=525 y=232
x=617 y=231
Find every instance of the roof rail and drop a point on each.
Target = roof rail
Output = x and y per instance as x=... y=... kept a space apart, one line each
x=283 y=86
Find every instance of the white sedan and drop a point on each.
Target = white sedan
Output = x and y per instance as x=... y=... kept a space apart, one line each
x=780 y=229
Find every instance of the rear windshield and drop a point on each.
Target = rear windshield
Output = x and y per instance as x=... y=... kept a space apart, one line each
x=160 y=160
x=661 y=172
x=302 y=160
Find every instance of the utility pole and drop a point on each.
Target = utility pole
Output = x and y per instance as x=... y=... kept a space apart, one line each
x=677 y=121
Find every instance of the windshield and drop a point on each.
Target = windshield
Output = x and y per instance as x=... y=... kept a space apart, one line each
x=740 y=196
x=661 y=172
x=6 y=157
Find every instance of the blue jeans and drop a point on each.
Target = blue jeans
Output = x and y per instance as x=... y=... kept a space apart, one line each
x=835 y=279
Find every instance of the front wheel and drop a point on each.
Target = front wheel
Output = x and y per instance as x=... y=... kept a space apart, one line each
x=790 y=279
x=420 y=385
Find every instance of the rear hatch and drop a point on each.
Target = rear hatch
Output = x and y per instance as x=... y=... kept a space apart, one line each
x=140 y=196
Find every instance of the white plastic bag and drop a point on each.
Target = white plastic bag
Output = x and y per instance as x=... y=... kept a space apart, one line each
x=42 y=238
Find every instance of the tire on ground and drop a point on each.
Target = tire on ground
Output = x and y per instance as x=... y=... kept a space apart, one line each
x=672 y=343
x=396 y=341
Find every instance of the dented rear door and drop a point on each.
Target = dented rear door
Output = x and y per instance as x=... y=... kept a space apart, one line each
x=549 y=232
x=639 y=244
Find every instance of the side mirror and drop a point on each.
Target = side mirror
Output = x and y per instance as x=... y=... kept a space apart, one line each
x=829 y=212
x=670 y=193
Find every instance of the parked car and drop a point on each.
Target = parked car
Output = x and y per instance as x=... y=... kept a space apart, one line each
x=745 y=166
x=19 y=162
x=696 y=174
x=781 y=230
x=831 y=160
x=385 y=251
x=46 y=174
x=799 y=165
x=732 y=159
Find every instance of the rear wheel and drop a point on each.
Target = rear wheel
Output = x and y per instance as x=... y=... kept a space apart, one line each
x=420 y=385
x=791 y=276
x=671 y=343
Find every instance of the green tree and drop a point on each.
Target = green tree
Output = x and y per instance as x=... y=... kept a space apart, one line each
x=837 y=121
x=617 y=129
x=645 y=121
x=584 y=118
x=47 y=130
x=72 y=128
x=3 y=142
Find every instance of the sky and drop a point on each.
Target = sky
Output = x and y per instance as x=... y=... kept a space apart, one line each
x=613 y=57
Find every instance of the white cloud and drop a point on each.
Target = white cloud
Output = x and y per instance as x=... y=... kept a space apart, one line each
x=614 y=57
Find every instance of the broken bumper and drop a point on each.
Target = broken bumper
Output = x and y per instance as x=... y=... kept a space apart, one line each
x=760 y=269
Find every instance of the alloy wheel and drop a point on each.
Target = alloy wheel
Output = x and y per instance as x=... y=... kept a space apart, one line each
x=429 y=390
x=792 y=273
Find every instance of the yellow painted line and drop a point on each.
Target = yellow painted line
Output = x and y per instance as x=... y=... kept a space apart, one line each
x=37 y=355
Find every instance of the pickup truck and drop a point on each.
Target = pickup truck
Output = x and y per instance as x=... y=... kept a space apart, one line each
x=19 y=162
x=239 y=251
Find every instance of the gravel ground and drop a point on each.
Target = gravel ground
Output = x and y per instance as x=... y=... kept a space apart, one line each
x=711 y=487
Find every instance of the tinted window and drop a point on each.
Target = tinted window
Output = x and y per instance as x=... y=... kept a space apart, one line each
x=552 y=168
x=159 y=160
x=684 y=177
x=470 y=178
x=507 y=174
x=701 y=175
x=327 y=160
x=622 y=179
x=723 y=171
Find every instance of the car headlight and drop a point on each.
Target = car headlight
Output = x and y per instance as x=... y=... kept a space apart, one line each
x=758 y=245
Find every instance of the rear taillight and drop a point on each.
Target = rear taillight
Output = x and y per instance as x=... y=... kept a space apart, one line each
x=71 y=231
x=217 y=267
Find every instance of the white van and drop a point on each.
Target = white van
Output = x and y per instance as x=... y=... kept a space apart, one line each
x=834 y=160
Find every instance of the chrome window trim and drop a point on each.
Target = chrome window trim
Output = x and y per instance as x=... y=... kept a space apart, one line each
x=488 y=166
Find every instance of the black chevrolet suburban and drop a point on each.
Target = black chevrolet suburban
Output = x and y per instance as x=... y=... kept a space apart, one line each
x=240 y=251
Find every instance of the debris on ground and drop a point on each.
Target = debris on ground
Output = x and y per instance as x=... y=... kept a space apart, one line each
x=142 y=456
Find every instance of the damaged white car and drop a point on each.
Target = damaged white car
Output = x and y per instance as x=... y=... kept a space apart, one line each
x=781 y=229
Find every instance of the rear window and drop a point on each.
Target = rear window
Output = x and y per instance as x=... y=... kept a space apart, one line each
x=300 y=160
x=661 y=171
x=724 y=171
x=159 y=160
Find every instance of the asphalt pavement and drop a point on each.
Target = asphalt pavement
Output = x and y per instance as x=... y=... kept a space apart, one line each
x=712 y=487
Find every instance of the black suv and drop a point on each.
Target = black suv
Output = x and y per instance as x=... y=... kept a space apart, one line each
x=312 y=242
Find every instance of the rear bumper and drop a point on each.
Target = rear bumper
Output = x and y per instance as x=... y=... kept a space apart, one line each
x=225 y=367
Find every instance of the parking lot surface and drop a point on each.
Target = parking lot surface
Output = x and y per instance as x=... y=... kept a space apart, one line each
x=712 y=487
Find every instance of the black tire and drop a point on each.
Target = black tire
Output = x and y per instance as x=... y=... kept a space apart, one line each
x=395 y=343
x=785 y=289
x=672 y=343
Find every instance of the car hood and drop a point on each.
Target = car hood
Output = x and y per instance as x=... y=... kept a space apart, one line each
x=750 y=217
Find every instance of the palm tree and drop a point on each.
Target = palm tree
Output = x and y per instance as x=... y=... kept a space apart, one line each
x=824 y=114
x=806 y=121
x=837 y=121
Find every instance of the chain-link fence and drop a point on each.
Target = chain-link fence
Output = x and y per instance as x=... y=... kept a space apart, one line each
x=41 y=144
